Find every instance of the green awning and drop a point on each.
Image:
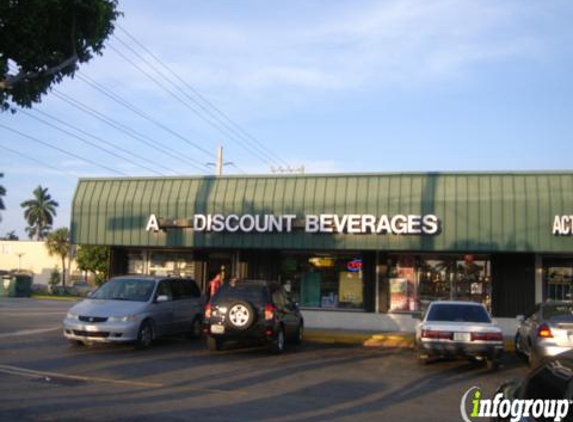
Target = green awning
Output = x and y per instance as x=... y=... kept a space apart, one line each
x=475 y=211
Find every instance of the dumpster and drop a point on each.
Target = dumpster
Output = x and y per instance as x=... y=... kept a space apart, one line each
x=23 y=285
x=17 y=285
x=5 y=285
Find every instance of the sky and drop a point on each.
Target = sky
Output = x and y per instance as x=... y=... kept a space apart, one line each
x=334 y=86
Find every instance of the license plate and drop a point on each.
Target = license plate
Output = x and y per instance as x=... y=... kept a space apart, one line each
x=462 y=337
x=217 y=329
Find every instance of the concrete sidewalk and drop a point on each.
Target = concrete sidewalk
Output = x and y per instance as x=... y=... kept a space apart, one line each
x=371 y=339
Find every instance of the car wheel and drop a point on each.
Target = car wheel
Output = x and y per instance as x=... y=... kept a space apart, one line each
x=278 y=344
x=422 y=358
x=299 y=334
x=196 y=328
x=240 y=315
x=518 y=346
x=492 y=364
x=214 y=344
x=533 y=358
x=145 y=335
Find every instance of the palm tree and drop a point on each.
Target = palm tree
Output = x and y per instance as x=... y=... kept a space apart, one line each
x=58 y=243
x=39 y=213
x=2 y=193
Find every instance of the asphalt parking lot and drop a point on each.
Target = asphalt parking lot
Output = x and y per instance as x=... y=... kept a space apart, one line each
x=43 y=378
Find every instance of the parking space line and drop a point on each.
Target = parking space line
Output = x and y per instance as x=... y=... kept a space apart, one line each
x=22 y=313
x=15 y=370
x=29 y=332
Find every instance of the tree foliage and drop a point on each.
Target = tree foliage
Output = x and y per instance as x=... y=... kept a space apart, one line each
x=95 y=259
x=58 y=244
x=43 y=41
x=39 y=213
x=11 y=235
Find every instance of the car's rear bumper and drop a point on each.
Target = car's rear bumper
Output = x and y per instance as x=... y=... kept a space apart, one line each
x=490 y=350
x=549 y=350
x=258 y=332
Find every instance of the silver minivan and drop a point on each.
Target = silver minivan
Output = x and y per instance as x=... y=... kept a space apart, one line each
x=136 y=309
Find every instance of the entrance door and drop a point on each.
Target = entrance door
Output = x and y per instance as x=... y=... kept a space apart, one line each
x=218 y=262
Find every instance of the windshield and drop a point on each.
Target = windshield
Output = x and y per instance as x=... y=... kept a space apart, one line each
x=451 y=312
x=131 y=289
x=557 y=312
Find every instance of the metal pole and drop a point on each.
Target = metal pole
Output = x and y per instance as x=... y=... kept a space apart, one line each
x=219 y=166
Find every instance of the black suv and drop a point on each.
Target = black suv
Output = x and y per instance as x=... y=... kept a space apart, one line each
x=252 y=310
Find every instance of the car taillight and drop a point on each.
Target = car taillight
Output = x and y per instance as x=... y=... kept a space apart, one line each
x=208 y=310
x=544 y=331
x=492 y=336
x=435 y=334
x=269 y=312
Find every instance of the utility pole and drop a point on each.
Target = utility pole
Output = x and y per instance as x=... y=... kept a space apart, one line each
x=219 y=166
x=220 y=163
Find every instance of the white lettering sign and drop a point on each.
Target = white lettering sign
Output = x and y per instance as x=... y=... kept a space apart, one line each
x=152 y=224
x=398 y=224
x=563 y=225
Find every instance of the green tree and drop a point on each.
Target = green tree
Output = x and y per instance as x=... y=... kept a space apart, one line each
x=45 y=40
x=2 y=193
x=58 y=244
x=95 y=259
x=39 y=213
x=11 y=235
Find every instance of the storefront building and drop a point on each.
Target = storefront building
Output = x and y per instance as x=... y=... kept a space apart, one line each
x=364 y=250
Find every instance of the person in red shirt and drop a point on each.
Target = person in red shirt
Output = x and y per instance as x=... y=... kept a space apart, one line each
x=214 y=285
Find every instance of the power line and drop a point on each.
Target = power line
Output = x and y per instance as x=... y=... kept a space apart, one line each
x=85 y=141
x=42 y=163
x=223 y=130
x=118 y=99
x=205 y=100
x=124 y=150
x=71 y=154
x=128 y=131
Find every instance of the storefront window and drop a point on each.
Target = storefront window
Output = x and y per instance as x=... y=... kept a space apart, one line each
x=323 y=281
x=171 y=264
x=135 y=262
x=557 y=277
x=161 y=263
x=415 y=281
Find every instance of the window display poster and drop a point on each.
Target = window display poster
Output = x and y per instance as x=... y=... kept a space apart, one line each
x=310 y=289
x=399 y=294
x=350 y=287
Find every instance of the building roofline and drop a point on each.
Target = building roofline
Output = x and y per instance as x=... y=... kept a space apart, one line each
x=319 y=175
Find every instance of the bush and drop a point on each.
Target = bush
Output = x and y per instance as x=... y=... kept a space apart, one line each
x=55 y=279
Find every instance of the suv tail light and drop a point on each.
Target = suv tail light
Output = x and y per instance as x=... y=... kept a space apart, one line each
x=435 y=334
x=208 y=310
x=544 y=331
x=269 y=312
x=491 y=336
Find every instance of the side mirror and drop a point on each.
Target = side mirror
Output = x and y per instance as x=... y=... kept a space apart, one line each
x=161 y=299
x=90 y=293
x=520 y=319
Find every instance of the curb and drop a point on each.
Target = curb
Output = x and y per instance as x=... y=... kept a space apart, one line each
x=390 y=340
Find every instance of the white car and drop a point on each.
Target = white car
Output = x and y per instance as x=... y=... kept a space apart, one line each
x=459 y=329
